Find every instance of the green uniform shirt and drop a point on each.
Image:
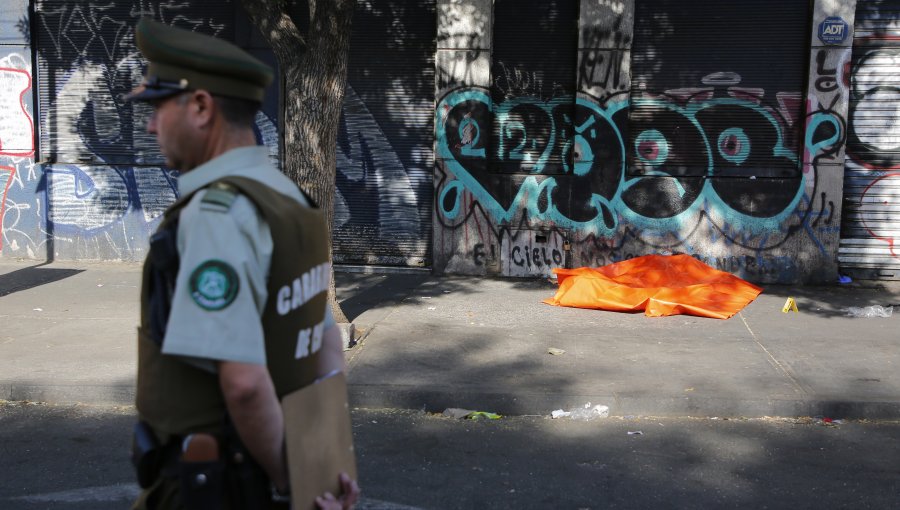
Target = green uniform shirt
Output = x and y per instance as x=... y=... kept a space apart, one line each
x=213 y=237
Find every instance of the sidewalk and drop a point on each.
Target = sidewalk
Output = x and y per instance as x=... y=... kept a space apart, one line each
x=437 y=342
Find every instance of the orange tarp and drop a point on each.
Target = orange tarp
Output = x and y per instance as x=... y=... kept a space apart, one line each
x=658 y=284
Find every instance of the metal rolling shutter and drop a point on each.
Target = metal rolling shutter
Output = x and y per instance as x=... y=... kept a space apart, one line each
x=533 y=75
x=385 y=152
x=86 y=60
x=694 y=51
x=870 y=225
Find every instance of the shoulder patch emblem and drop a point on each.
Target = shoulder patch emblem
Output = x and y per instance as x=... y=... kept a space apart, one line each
x=219 y=194
x=214 y=285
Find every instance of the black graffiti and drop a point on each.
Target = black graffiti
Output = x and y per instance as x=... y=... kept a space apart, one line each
x=87 y=60
x=869 y=111
x=478 y=254
x=822 y=204
x=512 y=81
x=538 y=257
x=602 y=259
x=602 y=68
x=583 y=155
x=827 y=80
x=750 y=264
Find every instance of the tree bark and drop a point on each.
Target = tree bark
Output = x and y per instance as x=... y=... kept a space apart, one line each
x=314 y=73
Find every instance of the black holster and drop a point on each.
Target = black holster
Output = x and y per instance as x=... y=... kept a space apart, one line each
x=202 y=484
x=147 y=455
x=248 y=485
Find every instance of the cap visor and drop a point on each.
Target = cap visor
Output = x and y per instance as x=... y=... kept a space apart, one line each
x=142 y=93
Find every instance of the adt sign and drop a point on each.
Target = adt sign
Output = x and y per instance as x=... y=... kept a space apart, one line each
x=833 y=30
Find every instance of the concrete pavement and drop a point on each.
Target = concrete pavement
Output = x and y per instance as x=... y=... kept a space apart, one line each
x=436 y=342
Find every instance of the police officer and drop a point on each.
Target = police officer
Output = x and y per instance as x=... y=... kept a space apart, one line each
x=233 y=313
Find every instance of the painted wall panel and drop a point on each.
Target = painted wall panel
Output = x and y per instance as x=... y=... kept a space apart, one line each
x=100 y=190
x=16 y=104
x=688 y=52
x=823 y=161
x=385 y=147
x=87 y=59
x=723 y=158
x=870 y=226
x=95 y=211
x=20 y=203
x=533 y=253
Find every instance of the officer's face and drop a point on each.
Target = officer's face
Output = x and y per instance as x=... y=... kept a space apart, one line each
x=171 y=126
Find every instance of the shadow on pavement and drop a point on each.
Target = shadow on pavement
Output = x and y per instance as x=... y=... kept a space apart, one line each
x=34 y=276
x=522 y=463
x=358 y=293
x=833 y=301
x=541 y=463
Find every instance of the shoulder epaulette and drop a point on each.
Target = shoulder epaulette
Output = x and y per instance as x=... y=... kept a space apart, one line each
x=220 y=194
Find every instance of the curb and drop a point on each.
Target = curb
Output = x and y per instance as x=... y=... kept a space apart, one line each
x=394 y=397
x=370 y=396
x=91 y=394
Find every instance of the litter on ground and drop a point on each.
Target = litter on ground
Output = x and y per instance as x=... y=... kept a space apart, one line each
x=460 y=414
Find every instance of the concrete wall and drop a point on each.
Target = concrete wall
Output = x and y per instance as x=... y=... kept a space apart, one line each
x=464 y=240
x=827 y=103
x=600 y=211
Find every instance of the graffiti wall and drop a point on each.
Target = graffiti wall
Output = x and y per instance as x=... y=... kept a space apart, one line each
x=385 y=145
x=18 y=208
x=871 y=222
x=508 y=138
x=727 y=169
x=98 y=188
x=601 y=210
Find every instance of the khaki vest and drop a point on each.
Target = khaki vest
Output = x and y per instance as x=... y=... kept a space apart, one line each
x=176 y=398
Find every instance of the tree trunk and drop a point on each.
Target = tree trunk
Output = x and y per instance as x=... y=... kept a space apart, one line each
x=314 y=73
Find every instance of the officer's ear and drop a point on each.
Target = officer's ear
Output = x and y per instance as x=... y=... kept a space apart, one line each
x=201 y=108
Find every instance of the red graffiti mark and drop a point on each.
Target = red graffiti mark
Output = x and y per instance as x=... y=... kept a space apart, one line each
x=873 y=38
x=466 y=224
x=8 y=172
x=879 y=197
x=856 y=158
x=789 y=102
x=747 y=94
x=30 y=151
x=807 y=156
x=478 y=227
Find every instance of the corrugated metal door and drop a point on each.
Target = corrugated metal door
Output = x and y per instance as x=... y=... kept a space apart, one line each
x=385 y=151
x=533 y=84
x=533 y=80
x=697 y=70
x=102 y=174
x=870 y=226
x=87 y=59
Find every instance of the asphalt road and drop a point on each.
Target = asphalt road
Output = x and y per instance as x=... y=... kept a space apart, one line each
x=75 y=457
